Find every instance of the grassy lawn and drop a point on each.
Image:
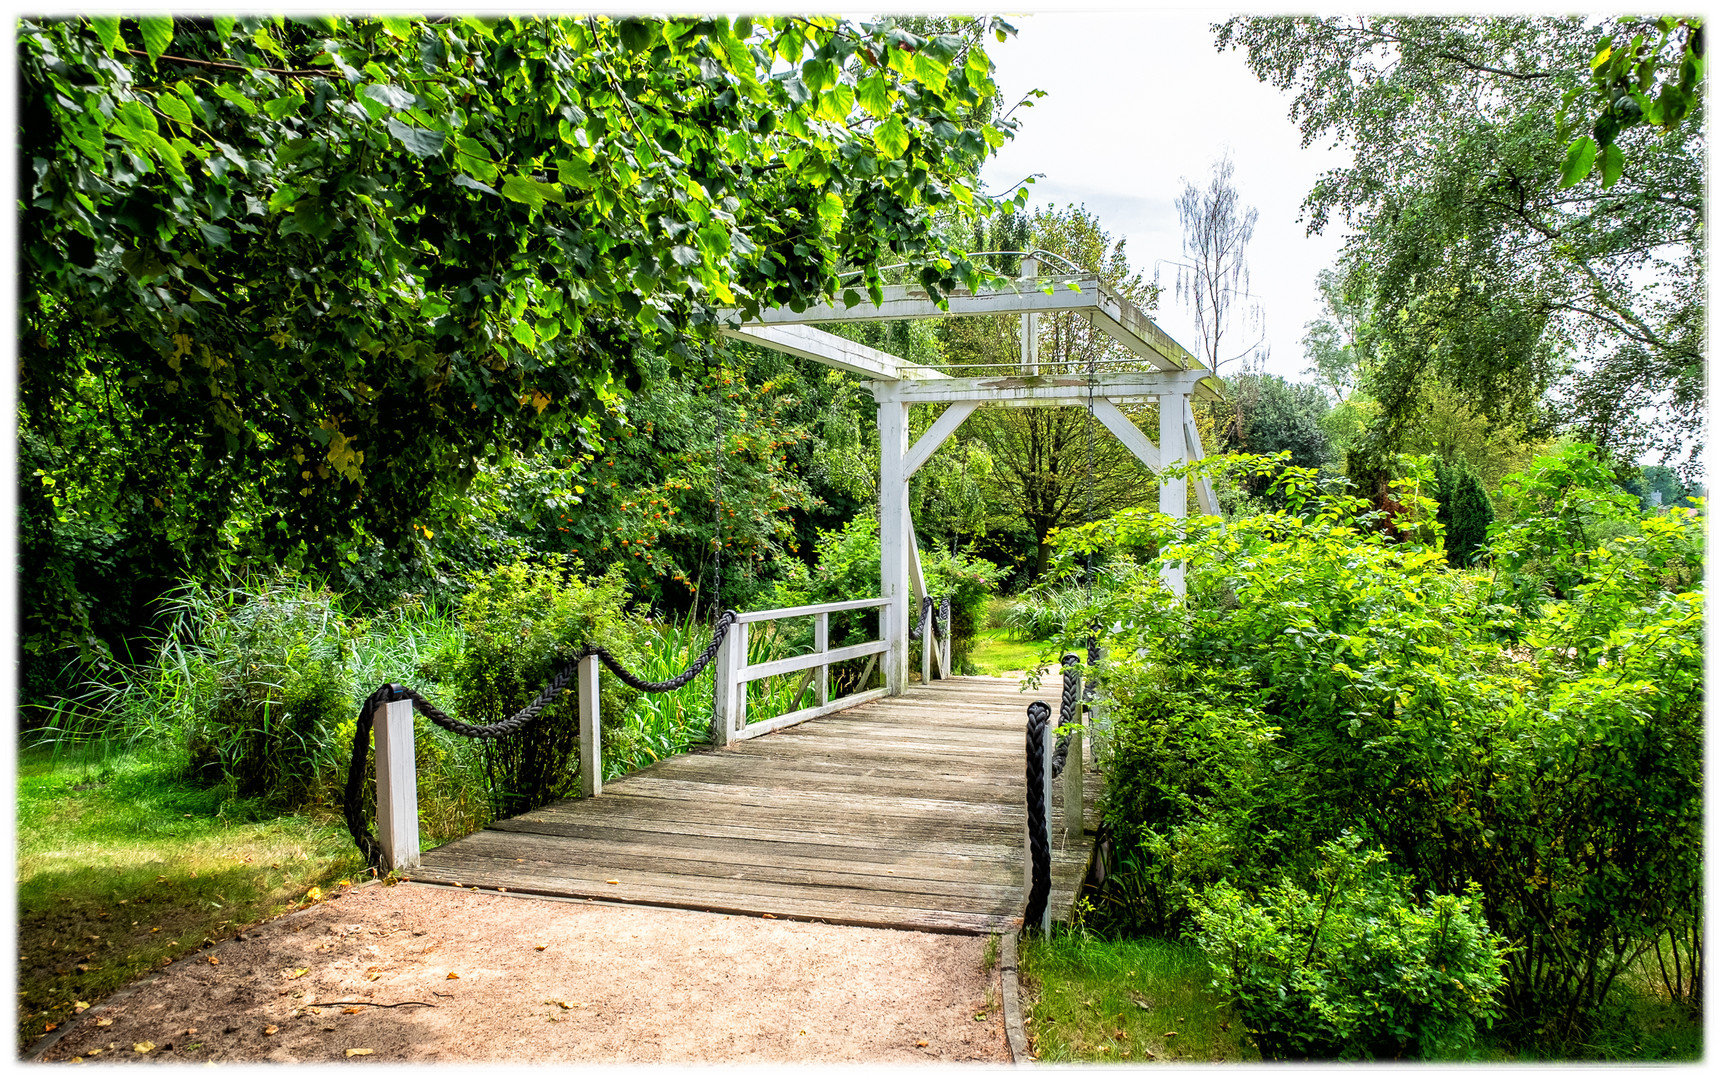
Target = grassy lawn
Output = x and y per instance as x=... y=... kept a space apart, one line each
x=123 y=867
x=996 y=653
x=1139 y=1000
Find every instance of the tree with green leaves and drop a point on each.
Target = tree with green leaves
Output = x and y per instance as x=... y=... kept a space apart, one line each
x=287 y=283
x=1655 y=78
x=1476 y=267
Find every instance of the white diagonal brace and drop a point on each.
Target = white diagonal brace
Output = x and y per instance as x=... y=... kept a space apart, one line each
x=942 y=428
x=1127 y=433
x=1203 y=485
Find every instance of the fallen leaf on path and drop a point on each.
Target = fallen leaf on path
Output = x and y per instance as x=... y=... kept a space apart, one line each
x=767 y=915
x=143 y=1047
x=294 y=974
x=921 y=1043
x=354 y=1009
x=540 y=948
x=49 y=1027
x=104 y=1021
x=80 y=1006
x=612 y=881
x=271 y=1029
x=313 y=893
x=215 y=960
x=452 y=975
x=357 y=1051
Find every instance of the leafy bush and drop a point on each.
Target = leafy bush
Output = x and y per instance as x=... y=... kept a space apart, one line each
x=1465 y=511
x=522 y=624
x=1355 y=968
x=277 y=652
x=1550 y=752
x=968 y=581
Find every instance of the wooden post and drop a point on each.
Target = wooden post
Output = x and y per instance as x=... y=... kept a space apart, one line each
x=730 y=709
x=894 y=541
x=1174 y=492
x=396 y=785
x=822 y=643
x=591 y=730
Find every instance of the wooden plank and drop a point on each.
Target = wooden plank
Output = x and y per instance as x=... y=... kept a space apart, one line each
x=906 y=812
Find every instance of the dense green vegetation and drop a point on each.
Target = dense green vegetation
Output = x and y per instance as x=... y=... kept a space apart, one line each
x=363 y=350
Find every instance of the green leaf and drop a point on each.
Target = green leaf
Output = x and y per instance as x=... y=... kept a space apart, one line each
x=462 y=180
x=392 y=96
x=1580 y=159
x=1612 y=164
x=874 y=95
x=231 y=93
x=173 y=107
x=420 y=142
x=575 y=173
x=284 y=106
x=107 y=29
x=223 y=26
x=524 y=334
x=891 y=138
x=157 y=34
x=397 y=27
x=836 y=103
x=534 y=193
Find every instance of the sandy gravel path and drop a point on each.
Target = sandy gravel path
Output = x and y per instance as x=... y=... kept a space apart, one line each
x=516 y=979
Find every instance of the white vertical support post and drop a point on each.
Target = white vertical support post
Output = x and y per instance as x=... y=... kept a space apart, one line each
x=591 y=730
x=1030 y=330
x=822 y=643
x=396 y=785
x=894 y=541
x=729 y=713
x=1173 y=492
x=944 y=649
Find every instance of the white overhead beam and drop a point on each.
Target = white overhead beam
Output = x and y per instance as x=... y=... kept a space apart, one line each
x=1049 y=389
x=1127 y=433
x=1118 y=317
x=812 y=343
x=942 y=428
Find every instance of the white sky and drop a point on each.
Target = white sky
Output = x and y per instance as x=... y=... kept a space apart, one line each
x=1137 y=102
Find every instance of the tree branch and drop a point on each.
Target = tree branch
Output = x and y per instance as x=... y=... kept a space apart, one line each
x=293 y=73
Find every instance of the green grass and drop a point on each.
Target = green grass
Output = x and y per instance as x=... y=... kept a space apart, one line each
x=123 y=867
x=995 y=652
x=1129 y=1000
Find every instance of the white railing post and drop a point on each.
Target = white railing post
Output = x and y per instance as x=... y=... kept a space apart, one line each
x=396 y=785
x=730 y=711
x=1173 y=491
x=944 y=648
x=821 y=644
x=894 y=541
x=591 y=730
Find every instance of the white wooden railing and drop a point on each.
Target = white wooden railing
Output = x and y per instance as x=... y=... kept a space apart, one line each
x=397 y=779
x=730 y=721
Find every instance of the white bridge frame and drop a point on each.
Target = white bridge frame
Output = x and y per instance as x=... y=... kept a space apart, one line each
x=896 y=384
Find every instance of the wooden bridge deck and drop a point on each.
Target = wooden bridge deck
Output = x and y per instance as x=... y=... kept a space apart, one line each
x=905 y=812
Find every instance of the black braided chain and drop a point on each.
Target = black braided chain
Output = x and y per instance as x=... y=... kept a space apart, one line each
x=1067 y=709
x=388 y=692
x=940 y=618
x=1039 y=832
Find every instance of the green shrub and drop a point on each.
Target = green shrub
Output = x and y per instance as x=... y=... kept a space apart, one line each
x=1465 y=511
x=968 y=581
x=1354 y=968
x=523 y=624
x=1550 y=752
x=277 y=651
